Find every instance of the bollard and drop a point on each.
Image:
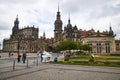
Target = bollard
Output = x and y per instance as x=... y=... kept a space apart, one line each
x=34 y=60
x=13 y=65
x=37 y=61
x=45 y=60
x=27 y=63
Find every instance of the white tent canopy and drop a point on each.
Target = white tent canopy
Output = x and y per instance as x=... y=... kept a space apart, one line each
x=46 y=57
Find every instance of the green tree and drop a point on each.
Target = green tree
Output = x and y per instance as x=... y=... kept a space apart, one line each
x=72 y=45
x=66 y=45
x=86 y=47
x=79 y=46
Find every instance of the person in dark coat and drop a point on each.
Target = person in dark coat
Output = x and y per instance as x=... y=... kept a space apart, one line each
x=9 y=54
x=24 y=57
x=41 y=57
x=19 y=57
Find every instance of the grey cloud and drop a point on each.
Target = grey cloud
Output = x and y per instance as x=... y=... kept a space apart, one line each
x=81 y=5
x=4 y=26
x=105 y=10
x=111 y=10
x=94 y=8
x=18 y=1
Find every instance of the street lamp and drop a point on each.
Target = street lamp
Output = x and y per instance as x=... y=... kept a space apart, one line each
x=18 y=46
x=0 y=48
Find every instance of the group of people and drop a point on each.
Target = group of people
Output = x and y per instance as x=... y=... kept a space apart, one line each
x=23 y=57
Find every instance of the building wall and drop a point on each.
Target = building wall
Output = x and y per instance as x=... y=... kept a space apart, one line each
x=102 y=41
x=24 y=40
x=117 y=42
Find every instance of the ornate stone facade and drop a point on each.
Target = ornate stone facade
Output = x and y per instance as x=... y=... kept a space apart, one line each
x=25 y=39
x=101 y=42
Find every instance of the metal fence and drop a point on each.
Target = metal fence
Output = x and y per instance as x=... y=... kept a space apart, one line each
x=12 y=63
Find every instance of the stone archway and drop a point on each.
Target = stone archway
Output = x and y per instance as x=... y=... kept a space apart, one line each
x=49 y=49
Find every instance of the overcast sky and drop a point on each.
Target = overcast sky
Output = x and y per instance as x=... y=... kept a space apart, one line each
x=86 y=14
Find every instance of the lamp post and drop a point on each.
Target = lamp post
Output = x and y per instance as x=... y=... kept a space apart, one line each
x=0 y=48
x=18 y=56
x=30 y=38
x=18 y=45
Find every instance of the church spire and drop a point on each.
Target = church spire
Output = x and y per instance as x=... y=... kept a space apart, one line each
x=111 y=31
x=44 y=34
x=58 y=13
x=69 y=24
x=69 y=18
x=58 y=17
x=17 y=17
x=58 y=7
x=16 y=22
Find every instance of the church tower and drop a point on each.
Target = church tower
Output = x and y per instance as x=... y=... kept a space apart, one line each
x=111 y=31
x=16 y=26
x=69 y=24
x=69 y=29
x=58 y=26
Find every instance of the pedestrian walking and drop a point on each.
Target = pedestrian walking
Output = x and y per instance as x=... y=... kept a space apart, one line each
x=9 y=54
x=41 y=56
x=18 y=57
x=0 y=55
x=24 y=57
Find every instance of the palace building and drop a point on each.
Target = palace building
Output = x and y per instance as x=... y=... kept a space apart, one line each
x=26 y=39
x=101 y=42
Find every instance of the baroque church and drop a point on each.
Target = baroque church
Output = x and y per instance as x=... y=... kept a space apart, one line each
x=26 y=39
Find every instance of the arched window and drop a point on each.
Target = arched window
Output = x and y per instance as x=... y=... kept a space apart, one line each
x=107 y=46
x=98 y=47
